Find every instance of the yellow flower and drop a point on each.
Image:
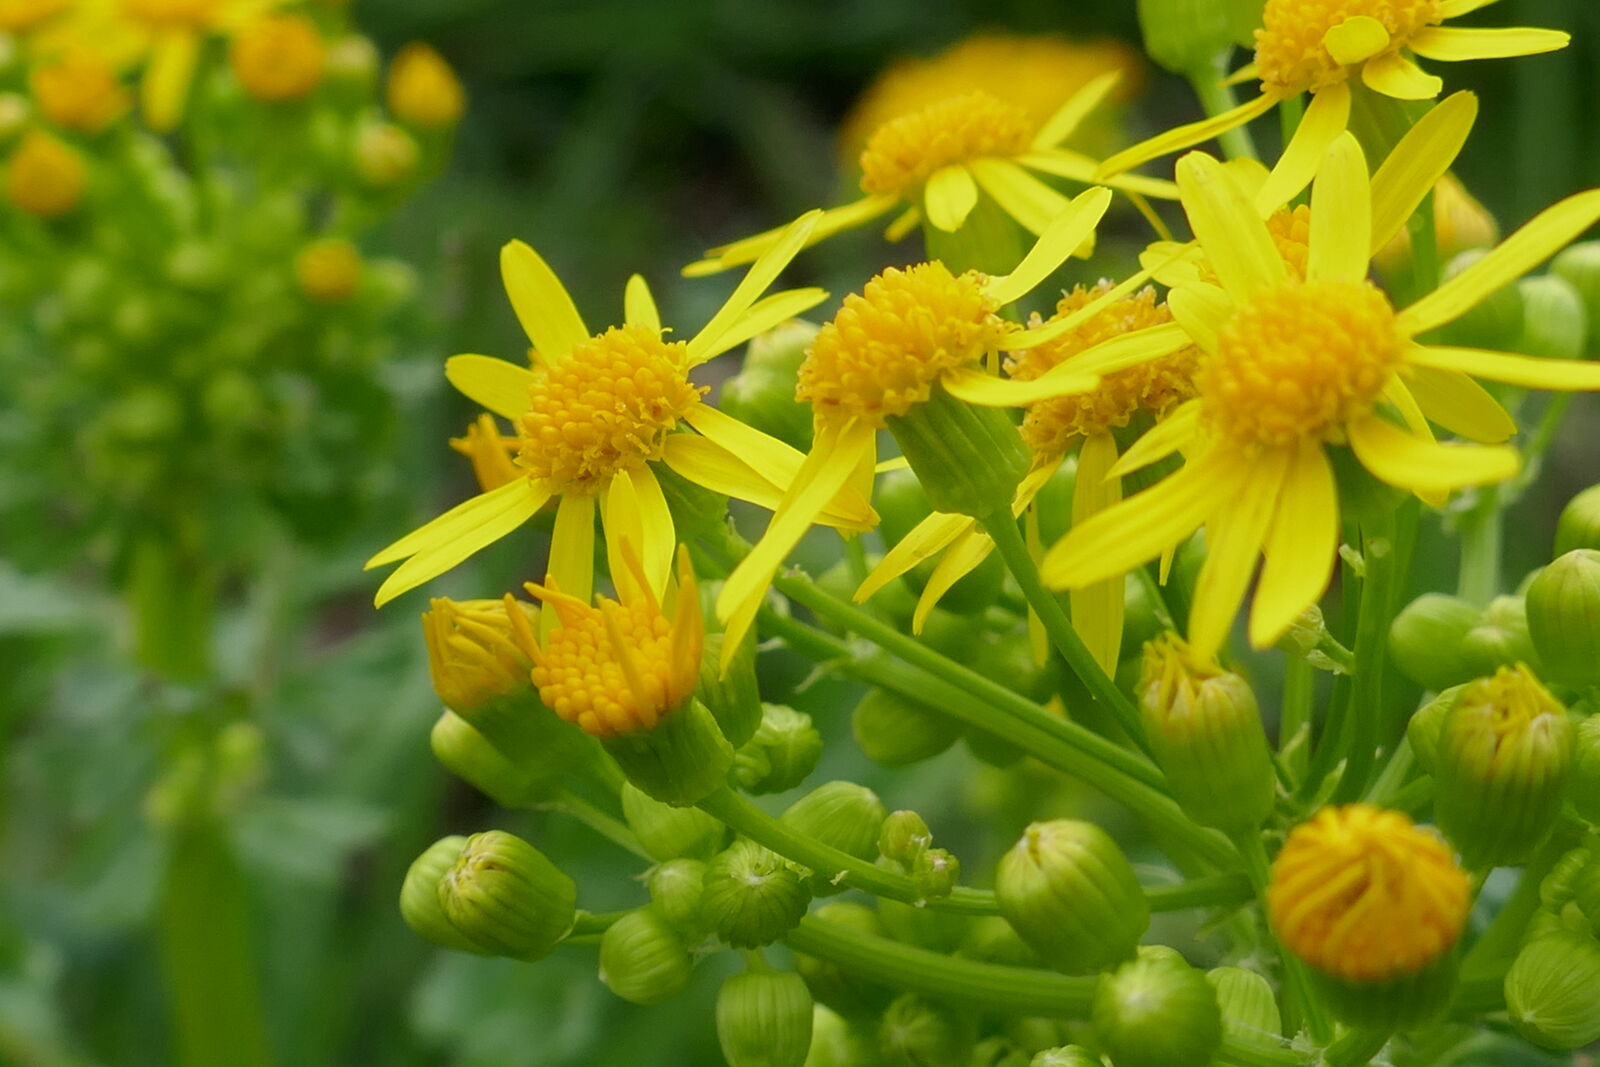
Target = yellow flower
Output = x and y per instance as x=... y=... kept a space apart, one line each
x=77 y=89
x=597 y=414
x=422 y=90
x=328 y=270
x=44 y=177
x=618 y=667
x=1316 y=46
x=1361 y=894
x=934 y=162
x=473 y=656
x=278 y=58
x=1293 y=366
x=21 y=16
x=490 y=453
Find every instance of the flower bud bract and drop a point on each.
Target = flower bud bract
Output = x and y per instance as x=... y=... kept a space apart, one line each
x=1553 y=991
x=969 y=459
x=468 y=755
x=643 y=960
x=1249 y=1008
x=843 y=815
x=1157 y=1011
x=1190 y=36
x=420 y=906
x=503 y=894
x=1563 y=604
x=1426 y=725
x=1500 y=638
x=1584 y=787
x=753 y=896
x=904 y=836
x=1070 y=893
x=667 y=832
x=781 y=755
x=676 y=888
x=1425 y=640
x=894 y=730
x=764 y=1019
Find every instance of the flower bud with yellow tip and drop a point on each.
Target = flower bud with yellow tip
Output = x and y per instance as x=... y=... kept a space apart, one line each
x=78 y=89
x=504 y=895
x=422 y=90
x=328 y=270
x=45 y=177
x=279 y=58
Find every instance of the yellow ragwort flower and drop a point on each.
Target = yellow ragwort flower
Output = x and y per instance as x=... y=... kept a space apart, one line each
x=422 y=89
x=44 y=177
x=490 y=453
x=278 y=58
x=78 y=89
x=473 y=655
x=1362 y=894
x=328 y=270
x=21 y=16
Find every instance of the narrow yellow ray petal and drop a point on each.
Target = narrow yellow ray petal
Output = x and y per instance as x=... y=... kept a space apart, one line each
x=1032 y=203
x=1418 y=161
x=543 y=306
x=986 y=390
x=1038 y=335
x=1451 y=9
x=1397 y=394
x=1459 y=42
x=1301 y=547
x=1247 y=73
x=1394 y=75
x=1172 y=264
x=1201 y=310
x=1356 y=39
x=168 y=75
x=1325 y=119
x=660 y=535
x=1130 y=349
x=924 y=541
x=903 y=224
x=1234 y=536
x=571 y=563
x=949 y=196
x=1408 y=462
x=1460 y=404
x=763 y=315
x=1251 y=174
x=1077 y=107
x=1181 y=137
x=494 y=384
x=1341 y=215
x=638 y=306
x=1097 y=610
x=1229 y=228
x=969 y=550
x=455 y=535
x=757 y=280
x=619 y=517
x=758 y=469
x=1538 y=239
x=1530 y=372
x=1080 y=168
x=1060 y=239
x=897 y=463
x=1162 y=439
x=834 y=220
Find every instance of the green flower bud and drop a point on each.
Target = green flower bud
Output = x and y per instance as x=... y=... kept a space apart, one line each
x=469 y=756
x=676 y=888
x=904 y=837
x=969 y=459
x=1585 y=787
x=642 y=959
x=1501 y=768
x=1579 y=265
x=1192 y=36
x=1425 y=726
x=1144 y=615
x=1563 y=605
x=1248 y=1007
x=935 y=873
x=1065 y=1056
x=1495 y=322
x=990 y=749
x=990 y=939
x=682 y=760
x=764 y=1019
x=844 y=815
x=1551 y=991
x=1561 y=884
x=839 y=988
x=1071 y=895
x=753 y=896
x=895 y=731
x=1157 y=1012
x=922 y=1033
x=352 y=62
x=762 y=393
x=1425 y=640
x=504 y=895
x=1205 y=730
x=997 y=1051
x=732 y=696
x=1501 y=637
x=667 y=832
x=420 y=906
x=1579 y=525
x=838 y=1043
x=1034 y=1033
x=1555 y=324
x=781 y=755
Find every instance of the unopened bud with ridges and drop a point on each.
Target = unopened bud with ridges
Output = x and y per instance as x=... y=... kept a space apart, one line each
x=468 y=755
x=731 y=693
x=991 y=939
x=676 y=888
x=1579 y=525
x=1500 y=638
x=1157 y=1011
x=904 y=836
x=838 y=1042
x=1555 y=324
x=1205 y=730
x=934 y=874
x=1563 y=604
x=1065 y=1056
x=969 y=459
x=642 y=958
x=842 y=815
x=504 y=895
x=895 y=731
x=1579 y=265
x=667 y=832
x=1069 y=892
x=1561 y=884
x=1584 y=784
x=753 y=896
x=1501 y=769
x=420 y=906
x=781 y=755
x=1425 y=640
x=1553 y=991
x=1249 y=1009
x=916 y=1032
x=1427 y=723
x=764 y=1019
x=841 y=988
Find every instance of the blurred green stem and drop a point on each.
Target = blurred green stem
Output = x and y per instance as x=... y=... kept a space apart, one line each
x=1217 y=98
x=1299 y=997
x=1479 y=579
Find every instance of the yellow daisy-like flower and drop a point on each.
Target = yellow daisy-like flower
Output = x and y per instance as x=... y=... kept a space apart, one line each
x=44 y=177
x=77 y=89
x=597 y=413
x=934 y=163
x=1316 y=46
x=23 y=16
x=1361 y=894
x=1295 y=365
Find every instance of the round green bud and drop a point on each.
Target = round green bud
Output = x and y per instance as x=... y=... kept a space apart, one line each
x=1500 y=639
x=935 y=873
x=1157 y=1011
x=1579 y=525
x=1555 y=324
x=997 y=1050
x=1245 y=998
x=1205 y=730
x=682 y=760
x=1425 y=640
x=839 y=988
x=1563 y=606
x=1585 y=786
x=843 y=815
x=922 y=1033
x=764 y=1019
x=676 y=888
x=1579 y=266
x=762 y=393
x=969 y=459
x=667 y=832
x=1065 y=1056
x=1551 y=991
x=836 y=1042
x=753 y=896
x=1189 y=36
x=1495 y=322
x=1561 y=884
x=990 y=939
x=1586 y=893
x=642 y=959
x=1427 y=723
x=901 y=504
x=781 y=755
x=1501 y=768
x=732 y=696
x=419 y=896
x=1069 y=892
x=469 y=756
x=895 y=731
x=904 y=836
x=503 y=894
x=1035 y=1033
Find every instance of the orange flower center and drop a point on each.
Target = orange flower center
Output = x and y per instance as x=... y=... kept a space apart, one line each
x=905 y=151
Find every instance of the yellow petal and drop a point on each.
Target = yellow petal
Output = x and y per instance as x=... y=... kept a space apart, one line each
x=1460 y=404
x=638 y=306
x=1175 y=431
x=1060 y=239
x=924 y=541
x=903 y=224
x=757 y=280
x=1357 y=38
x=571 y=563
x=1341 y=215
x=1301 y=546
x=1418 y=161
x=541 y=302
x=1396 y=392
x=1201 y=310
x=897 y=463
x=1234 y=536
x=1172 y=264
x=762 y=316
x=971 y=548
x=455 y=535
x=1080 y=168
x=1032 y=203
x=834 y=220
x=1181 y=137
x=1077 y=107
x=1130 y=349
x=1451 y=9
x=1097 y=610
x=659 y=536
x=168 y=75
x=1325 y=119
x=1456 y=43
x=494 y=384
x=949 y=197
x=1228 y=227
x=1408 y=462
x=1035 y=336
x=986 y=390
x=1530 y=372
x=1395 y=75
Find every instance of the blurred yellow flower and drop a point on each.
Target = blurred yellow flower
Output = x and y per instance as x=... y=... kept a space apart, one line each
x=278 y=58
x=1460 y=223
x=328 y=270
x=422 y=89
x=44 y=177
x=78 y=89
x=385 y=154
x=20 y=16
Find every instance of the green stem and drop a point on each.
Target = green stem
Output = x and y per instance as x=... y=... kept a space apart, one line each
x=587 y=924
x=1299 y=995
x=1299 y=682
x=1217 y=98
x=1216 y=890
x=1356 y=1047
x=1412 y=797
x=1393 y=775
x=1362 y=712
x=1478 y=996
x=614 y=830
x=1479 y=578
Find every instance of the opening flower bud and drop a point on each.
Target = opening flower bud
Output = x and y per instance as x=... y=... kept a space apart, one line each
x=1579 y=525
x=503 y=894
x=667 y=832
x=1585 y=784
x=468 y=755
x=1069 y=892
x=935 y=873
x=840 y=988
x=44 y=177
x=1501 y=637
x=1563 y=606
x=420 y=906
x=844 y=815
x=1551 y=991
x=676 y=888
x=278 y=58
x=1157 y=1011
x=781 y=755
x=896 y=731
x=1426 y=637
x=1427 y=724
x=922 y=1033
x=753 y=896
x=731 y=693
x=969 y=459
x=764 y=1019
x=1205 y=730
x=1501 y=769
x=642 y=959
x=904 y=837
x=328 y=270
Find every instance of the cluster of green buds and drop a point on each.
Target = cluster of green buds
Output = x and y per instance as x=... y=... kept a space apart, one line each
x=1550 y=986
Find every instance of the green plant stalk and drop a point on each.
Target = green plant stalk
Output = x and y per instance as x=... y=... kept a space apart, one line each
x=569 y=803
x=1362 y=709
x=1302 y=1000
x=1217 y=98
x=1479 y=578
x=1356 y=1047
x=1299 y=679
x=1393 y=775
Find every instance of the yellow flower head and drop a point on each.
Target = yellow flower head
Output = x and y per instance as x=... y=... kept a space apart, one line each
x=422 y=90
x=279 y=58
x=1510 y=712
x=473 y=656
x=20 y=16
x=44 y=177
x=905 y=152
x=490 y=453
x=77 y=89
x=328 y=270
x=1362 y=894
x=618 y=667
x=1306 y=44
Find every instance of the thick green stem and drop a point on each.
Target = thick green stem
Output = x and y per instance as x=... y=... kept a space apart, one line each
x=1363 y=710
x=1217 y=98
x=613 y=830
x=1217 y=890
x=1305 y=1007
x=1356 y=1047
x=1299 y=681
x=1393 y=776
x=1479 y=579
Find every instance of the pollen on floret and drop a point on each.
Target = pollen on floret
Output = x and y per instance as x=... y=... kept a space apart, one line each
x=1291 y=234
x=904 y=152
x=604 y=408
x=882 y=353
x=1154 y=387
x=1362 y=894
x=472 y=653
x=1299 y=361
x=1290 y=54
